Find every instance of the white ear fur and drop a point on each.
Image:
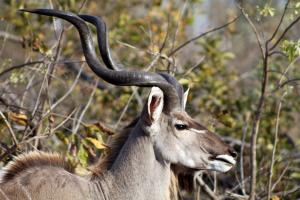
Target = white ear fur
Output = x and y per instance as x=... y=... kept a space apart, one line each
x=155 y=103
x=185 y=96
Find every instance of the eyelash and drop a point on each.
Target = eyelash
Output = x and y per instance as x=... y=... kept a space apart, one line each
x=181 y=127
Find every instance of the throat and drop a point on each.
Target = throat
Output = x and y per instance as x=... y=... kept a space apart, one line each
x=138 y=173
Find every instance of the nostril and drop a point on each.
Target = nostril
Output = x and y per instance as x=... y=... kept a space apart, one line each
x=233 y=153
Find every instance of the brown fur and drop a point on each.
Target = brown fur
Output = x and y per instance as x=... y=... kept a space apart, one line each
x=34 y=159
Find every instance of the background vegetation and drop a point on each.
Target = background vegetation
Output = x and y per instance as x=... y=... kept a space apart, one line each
x=243 y=79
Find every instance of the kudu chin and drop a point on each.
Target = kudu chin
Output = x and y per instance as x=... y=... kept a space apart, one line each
x=163 y=135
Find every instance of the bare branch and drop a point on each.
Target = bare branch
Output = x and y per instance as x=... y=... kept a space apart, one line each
x=284 y=32
x=289 y=82
x=124 y=110
x=280 y=177
x=19 y=66
x=257 y=35
x=280 y=53
x=201 y=35
x=206 y=188
x=288 y=192
x=85 y=109
x=9 y=128
x=275 y=145
x=245 y=130
x=236 y=196
x=178 y=22
x=10 y=36
x=54 y=105
x=63 y=121
x=280 y=21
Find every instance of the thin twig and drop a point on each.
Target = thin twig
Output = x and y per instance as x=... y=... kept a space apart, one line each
x=279 y=53
x=37 y=102
x=19 y=66
x=4 y=40
x=161 y=56
x=54 y=105
x=280 y=177
x=287 y=69
x=10 y=36
x=63 y=121
x=206 y=188
x=193 y=67
x=186 y=2
x=85 y=109
x=236 y=196
x=257 y=35
x=288 y=192
x=289 y=82
x=201 y=35
x=215 y=182
x=259 y=109
x=245 y=130
x=275 y=145
x=124 y=111
x=163 y=45
x=280 y=22
x=40 y=112
x=284 y=32
x=9 y=128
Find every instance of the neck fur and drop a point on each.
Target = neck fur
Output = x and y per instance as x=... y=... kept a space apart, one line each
x=137 y=173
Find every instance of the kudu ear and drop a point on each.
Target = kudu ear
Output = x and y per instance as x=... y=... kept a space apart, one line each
x=155 y=103
x=185 y=96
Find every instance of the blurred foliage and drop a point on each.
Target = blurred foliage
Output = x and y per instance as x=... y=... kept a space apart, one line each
x=291 y=49
x=224 y=87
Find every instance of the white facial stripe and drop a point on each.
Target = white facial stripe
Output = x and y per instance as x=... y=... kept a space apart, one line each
x=228 y=158
x=179 y=122
x=198 y=131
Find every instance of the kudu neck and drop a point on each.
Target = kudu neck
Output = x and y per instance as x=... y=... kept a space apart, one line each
x=138 y=173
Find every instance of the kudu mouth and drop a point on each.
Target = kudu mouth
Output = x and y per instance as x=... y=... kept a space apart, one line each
x=226 y=159
x=221 y=163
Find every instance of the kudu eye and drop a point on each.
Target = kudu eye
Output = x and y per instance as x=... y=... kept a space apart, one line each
x=181 y=127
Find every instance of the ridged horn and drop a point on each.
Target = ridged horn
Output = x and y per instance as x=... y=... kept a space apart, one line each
x=121 y=78
x=102 y=37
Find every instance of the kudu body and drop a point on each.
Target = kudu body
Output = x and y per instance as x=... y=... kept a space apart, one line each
x=164 y=134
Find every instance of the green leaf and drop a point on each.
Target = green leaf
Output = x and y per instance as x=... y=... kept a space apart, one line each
x=184 y=81
x=267 y=10
x=291 y=49
x=82 y=156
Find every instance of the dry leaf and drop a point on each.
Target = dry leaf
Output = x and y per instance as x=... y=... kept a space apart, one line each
x=20 y=118
x=96 y=143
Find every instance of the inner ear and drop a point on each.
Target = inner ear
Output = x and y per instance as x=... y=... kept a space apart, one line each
x=155 y=104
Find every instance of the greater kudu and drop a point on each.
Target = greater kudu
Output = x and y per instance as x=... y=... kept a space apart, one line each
x=164 y=134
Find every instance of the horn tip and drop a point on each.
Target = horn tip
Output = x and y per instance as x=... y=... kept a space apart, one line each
x=26 y=10
x=33 y=10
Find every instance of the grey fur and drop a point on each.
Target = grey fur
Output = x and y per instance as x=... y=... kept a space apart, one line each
x=141 y=170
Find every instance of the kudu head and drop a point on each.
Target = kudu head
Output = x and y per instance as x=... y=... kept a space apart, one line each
x=180 y=140
x=176 y=137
